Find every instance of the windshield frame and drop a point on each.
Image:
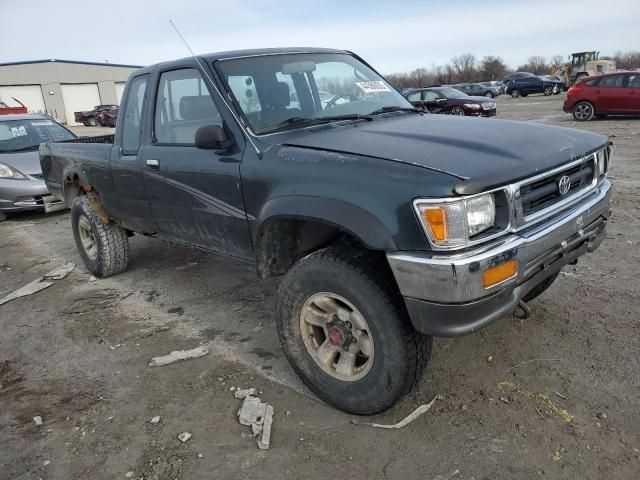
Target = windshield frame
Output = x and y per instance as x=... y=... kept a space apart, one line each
x=30 y=119
x=268 y=130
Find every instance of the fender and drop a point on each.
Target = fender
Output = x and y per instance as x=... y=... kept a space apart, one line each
x=350 y=218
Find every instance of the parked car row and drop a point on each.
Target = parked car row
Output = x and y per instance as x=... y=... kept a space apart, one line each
x=524 y=83
x=103 y=115
x=451 y=101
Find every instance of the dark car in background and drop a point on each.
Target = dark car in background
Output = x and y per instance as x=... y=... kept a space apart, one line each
x=451 y=101
x=22 y=186
x=527 y=85
x=89 y=118
x=602 y=95
x=107 y=117
x=477 y=90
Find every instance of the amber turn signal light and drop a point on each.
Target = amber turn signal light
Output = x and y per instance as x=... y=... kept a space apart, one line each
x=437 y=220
x=499 y=274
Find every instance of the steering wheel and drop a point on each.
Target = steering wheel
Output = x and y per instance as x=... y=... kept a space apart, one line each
x=333 y=101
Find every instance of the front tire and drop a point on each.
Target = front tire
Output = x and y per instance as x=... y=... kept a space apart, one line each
x=515 y=93
x=457 y=111
x=344 y=328
x=103 y=247
x=548 y=91
x=489 y=95
x=583 y=111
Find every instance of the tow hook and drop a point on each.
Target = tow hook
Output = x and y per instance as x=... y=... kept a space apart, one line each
x=523 y=311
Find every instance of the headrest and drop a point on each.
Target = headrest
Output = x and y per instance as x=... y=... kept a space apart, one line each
x=197 y=107
x=280 y=95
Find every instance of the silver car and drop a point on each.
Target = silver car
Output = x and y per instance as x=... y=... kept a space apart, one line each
x=21 y=184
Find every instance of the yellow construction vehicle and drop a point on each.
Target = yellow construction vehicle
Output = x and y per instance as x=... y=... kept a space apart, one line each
x=582 y=64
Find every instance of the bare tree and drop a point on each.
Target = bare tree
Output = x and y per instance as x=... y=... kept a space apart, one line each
x=536 y=64
x=465 y=66
x=558 y=60
x=627 y=60
x=492 y=68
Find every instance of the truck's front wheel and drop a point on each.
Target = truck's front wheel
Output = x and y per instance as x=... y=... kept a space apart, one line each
x=103 y=247
x=345 y=331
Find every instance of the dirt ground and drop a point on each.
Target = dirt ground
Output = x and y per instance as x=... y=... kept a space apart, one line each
x=554 y=396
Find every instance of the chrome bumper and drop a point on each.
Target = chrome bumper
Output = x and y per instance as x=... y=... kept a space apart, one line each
x=445 y=295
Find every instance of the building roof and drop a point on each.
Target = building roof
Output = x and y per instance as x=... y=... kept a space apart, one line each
x=75 y=62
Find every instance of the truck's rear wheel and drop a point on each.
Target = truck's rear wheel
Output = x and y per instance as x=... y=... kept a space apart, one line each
x=345 y=330
x=103 y=247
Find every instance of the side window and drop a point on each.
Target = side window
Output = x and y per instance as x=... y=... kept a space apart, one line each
x=414 y=97
x=183 y=104
x=244 y=89
x=430 y=96
x=132 y=118
x=633 y=81
x=612 y=81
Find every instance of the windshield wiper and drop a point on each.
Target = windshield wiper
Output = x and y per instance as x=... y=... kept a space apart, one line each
x=300 y=121
x=395 y=109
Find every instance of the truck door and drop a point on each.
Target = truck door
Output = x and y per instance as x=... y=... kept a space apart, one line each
x=131 y=204
x=195 y=194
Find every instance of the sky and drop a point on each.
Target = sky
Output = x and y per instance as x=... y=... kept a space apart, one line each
x=393 y=36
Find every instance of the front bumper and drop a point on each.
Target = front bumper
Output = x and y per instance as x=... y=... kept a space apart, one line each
x=444 y=293
x=19 y=195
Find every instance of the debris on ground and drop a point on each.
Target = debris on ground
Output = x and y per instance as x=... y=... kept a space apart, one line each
x=244 y=392
x=490 y=359
x=259 y=416
x=178 y=355
x=152 y=331
x=184 y=437
x=410 y=418
x=155 y=420
x=60 y=272
x=540 y=398
x=40 y=283
x=37 y=420
x=128 y=475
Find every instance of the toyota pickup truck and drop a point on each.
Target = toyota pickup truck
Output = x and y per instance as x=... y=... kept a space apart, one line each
x=387 y=224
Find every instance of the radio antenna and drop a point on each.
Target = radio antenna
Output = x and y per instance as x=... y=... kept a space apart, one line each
x=206 y=74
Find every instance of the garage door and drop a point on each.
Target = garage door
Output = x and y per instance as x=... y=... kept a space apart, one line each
x=78 y=98
x=119 y=91
x=29 y=95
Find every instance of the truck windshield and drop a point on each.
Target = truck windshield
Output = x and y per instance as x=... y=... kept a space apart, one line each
x=28 y=134
x=283 y=91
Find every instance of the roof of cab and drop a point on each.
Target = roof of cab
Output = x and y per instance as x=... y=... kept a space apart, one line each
x=24 y=116
x=213 y=57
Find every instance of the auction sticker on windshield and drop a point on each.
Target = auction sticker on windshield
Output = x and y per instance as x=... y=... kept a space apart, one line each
x=19 y=131
x=42 y=123
x=373 y=87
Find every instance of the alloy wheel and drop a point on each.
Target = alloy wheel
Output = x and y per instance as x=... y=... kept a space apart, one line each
x=87 y=239
x=337 y=336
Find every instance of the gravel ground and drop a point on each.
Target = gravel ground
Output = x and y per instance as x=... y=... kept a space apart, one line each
x=554 y=396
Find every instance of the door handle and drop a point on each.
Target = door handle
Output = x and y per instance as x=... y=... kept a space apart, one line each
x=153 y=164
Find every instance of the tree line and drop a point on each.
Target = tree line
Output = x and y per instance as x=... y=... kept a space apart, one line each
x=468 y=68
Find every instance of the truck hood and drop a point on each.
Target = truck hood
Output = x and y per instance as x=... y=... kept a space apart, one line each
x=25 y=162
x=490 y=152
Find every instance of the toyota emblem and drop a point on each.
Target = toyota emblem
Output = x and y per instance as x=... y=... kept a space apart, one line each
x=564 y=185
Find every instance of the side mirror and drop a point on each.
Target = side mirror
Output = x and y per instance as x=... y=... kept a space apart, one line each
x=212 y=137
x=441 y=100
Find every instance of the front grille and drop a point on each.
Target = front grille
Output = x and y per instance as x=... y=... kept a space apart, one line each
x=543 y=193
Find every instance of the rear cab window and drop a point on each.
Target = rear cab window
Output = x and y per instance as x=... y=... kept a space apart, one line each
x=132 y=118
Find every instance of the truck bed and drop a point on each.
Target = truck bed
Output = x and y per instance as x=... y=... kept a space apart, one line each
x=88 y=158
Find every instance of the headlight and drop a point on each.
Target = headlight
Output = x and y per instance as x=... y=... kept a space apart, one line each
x=9 y=172
x=602 y=161
x=488 y=105
x=452 y=223
x=472 y=106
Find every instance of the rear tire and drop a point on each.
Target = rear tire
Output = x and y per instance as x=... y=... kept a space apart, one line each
x=362 y=288
x=583 y=111
x=92 y=122
x=489 y=95
x=548 y=91
x=103 y=247
x=515 y=93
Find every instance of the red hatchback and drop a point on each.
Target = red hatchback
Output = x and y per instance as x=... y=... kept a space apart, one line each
x=602 y=95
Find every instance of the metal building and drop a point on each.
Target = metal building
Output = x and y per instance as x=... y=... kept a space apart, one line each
x=62 y=87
